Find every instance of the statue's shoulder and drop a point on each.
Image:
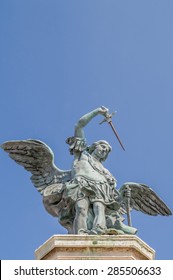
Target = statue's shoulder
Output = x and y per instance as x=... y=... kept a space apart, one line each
x=76 y=144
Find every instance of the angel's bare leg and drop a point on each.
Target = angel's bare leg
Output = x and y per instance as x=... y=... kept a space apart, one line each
x=80 y=221
x=99 y=224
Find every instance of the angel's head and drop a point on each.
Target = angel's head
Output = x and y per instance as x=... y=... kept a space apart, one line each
x=100 y=150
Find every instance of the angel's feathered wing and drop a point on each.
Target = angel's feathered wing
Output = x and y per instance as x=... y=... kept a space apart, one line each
x=144 y=199
x=36 y=157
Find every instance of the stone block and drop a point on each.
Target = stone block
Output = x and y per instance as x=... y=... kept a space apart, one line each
x=94 y=247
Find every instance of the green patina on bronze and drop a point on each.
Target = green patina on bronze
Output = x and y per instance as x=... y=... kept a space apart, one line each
x=85 y=199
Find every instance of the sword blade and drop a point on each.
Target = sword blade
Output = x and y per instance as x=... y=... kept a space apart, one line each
x=116 y=134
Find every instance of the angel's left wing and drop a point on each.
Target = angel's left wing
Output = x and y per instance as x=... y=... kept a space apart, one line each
x=144 y=199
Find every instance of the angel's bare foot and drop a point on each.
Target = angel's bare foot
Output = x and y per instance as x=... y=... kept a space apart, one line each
x=126 y=229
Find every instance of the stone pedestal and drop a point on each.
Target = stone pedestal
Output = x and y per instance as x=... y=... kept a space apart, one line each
x=94 y=247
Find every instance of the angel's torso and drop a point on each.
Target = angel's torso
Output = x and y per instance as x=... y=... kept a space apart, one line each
x=90 y=168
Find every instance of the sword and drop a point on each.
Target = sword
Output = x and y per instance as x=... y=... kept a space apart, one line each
x=108 y=119
x=128 y=194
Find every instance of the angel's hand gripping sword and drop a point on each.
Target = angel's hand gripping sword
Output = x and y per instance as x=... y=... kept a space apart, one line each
x=108 y=118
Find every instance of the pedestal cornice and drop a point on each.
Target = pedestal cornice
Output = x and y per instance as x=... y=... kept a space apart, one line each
x=94 y=247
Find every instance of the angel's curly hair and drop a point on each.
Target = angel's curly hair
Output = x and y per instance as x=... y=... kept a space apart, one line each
x=92 y=147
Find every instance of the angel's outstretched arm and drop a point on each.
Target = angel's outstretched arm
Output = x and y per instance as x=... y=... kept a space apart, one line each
x=83 y=121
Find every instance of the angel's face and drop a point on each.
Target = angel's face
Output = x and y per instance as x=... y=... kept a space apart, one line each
x=101 y=151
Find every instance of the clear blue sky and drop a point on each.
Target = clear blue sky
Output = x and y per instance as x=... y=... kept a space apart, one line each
x=61 y=59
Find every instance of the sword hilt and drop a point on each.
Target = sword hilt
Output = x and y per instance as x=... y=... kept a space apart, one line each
x=108 y=117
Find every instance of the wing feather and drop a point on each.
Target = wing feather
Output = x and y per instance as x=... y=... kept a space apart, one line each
x=144 y=199
x=36 y=157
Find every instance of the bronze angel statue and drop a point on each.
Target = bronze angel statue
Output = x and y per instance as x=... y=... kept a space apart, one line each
x=85 y=199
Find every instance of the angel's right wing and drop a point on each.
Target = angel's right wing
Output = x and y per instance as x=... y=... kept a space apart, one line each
x=36 y=157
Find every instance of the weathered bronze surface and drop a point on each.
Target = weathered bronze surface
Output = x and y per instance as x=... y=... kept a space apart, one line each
x=85 y=198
